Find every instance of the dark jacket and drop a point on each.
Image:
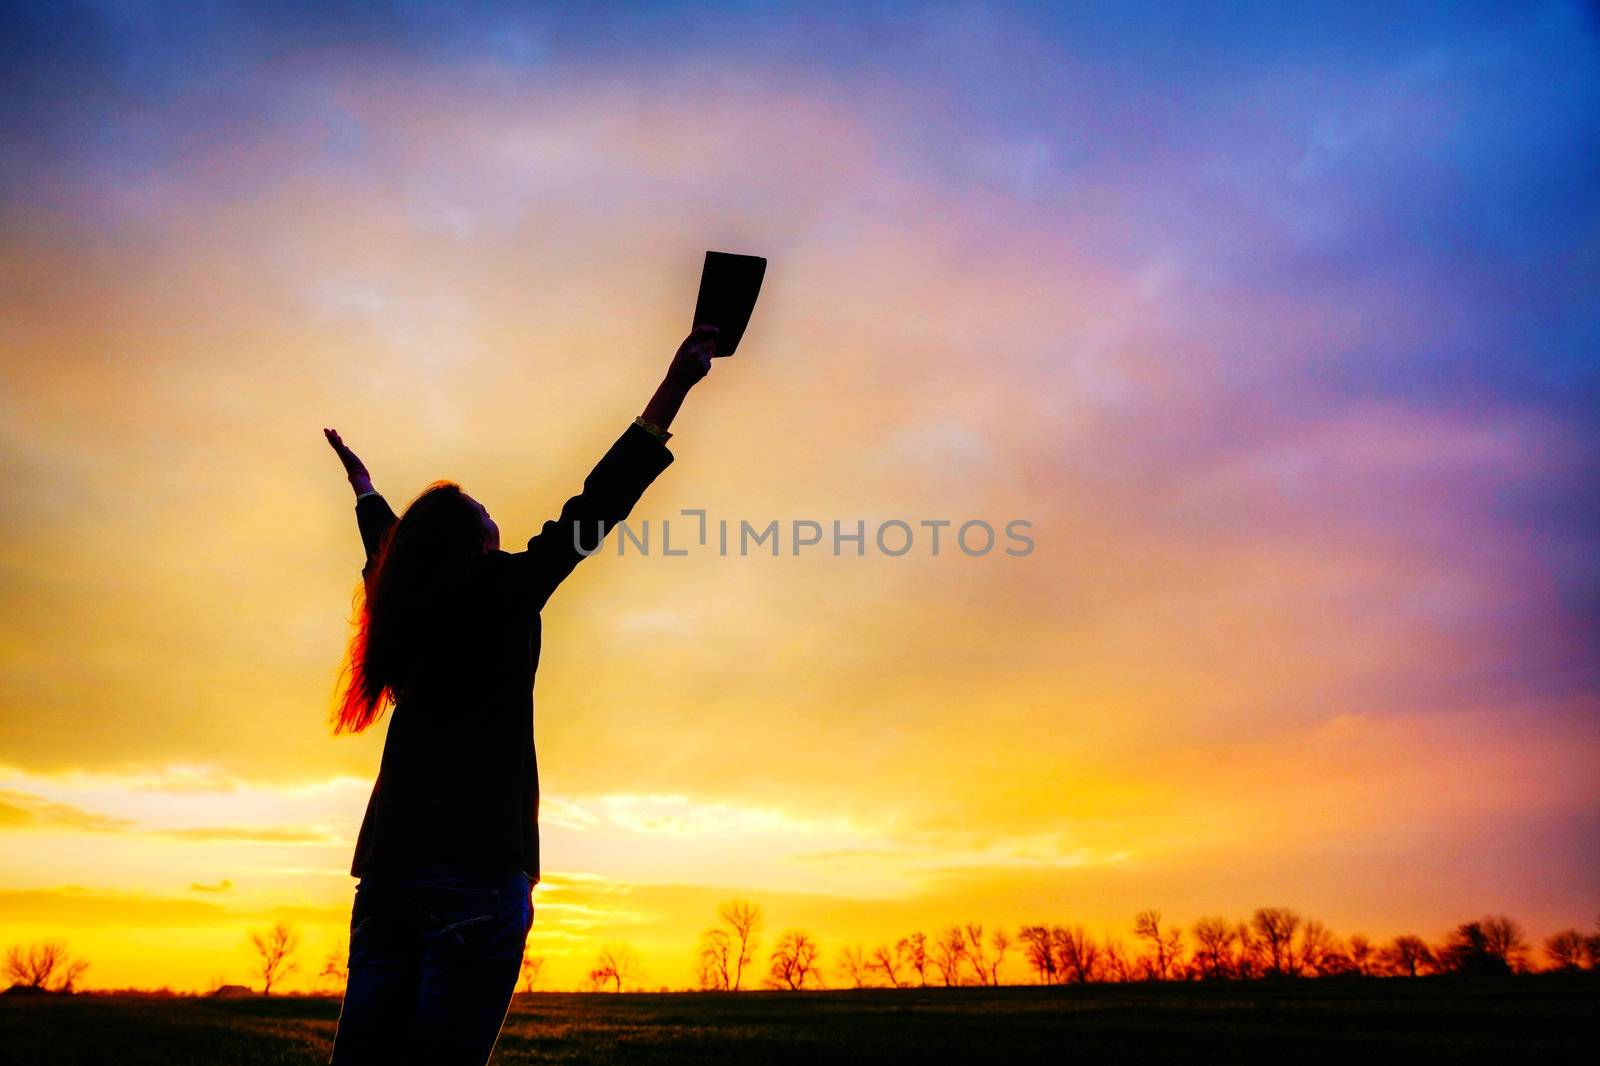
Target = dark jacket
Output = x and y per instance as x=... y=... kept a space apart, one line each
x=459 y=782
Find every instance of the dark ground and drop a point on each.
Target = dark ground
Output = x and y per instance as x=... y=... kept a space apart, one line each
x=1534 y=1020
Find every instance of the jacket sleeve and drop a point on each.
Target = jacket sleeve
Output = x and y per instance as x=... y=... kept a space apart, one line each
x=373 y=517
x=609 y=494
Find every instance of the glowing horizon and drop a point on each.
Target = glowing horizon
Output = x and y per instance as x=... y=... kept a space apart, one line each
x=1283 y=341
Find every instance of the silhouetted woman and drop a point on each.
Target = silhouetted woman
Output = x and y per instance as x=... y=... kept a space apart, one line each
x=449 y=850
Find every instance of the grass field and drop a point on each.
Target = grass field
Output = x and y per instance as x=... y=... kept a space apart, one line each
x=1541 y=1019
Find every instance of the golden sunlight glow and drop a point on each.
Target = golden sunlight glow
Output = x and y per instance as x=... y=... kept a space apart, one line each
x=1229 y=675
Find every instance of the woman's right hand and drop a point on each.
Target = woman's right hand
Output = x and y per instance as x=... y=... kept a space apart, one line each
x=692 y=361
x=354 y=469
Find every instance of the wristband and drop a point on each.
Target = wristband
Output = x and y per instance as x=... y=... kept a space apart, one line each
x=651 y=428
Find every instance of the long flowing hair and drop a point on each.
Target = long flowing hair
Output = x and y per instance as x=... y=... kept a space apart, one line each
x=409 y=602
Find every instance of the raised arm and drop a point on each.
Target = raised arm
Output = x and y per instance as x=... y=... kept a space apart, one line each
x=373 y=513
x=355 y=471
x=690 y=363
x=619 y=478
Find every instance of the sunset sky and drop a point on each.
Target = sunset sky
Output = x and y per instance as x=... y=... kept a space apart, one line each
x=1281 y=327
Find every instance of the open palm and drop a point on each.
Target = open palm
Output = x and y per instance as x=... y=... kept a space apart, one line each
x=354 y=468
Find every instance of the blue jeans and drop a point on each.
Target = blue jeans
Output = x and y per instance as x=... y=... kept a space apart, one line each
x=434 y=958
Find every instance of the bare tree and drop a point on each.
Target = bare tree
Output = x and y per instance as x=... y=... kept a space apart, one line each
x=69 y=976
x=793 y=961
x=1319 y=952
x=1118 y=966
x=1565 y=950
x=276 y=947
x=1077 y=955
x=853 y=963
x=888 y=961
x=716 y=960
x=1466 y=951
x=1165 y=945
x=1493 y=945
x=1591 y=947
x=743 y=919
x=45 y=966
x=948 y=954
x=1505 y=940
x=336 y=966
x=531 y=970
x=916 y=949
x=1364 y=956
x=1248 y=956
x=34 y=965
x=976 y=952
x=616 y=965
x=1039 y=948
x=1275 y=928
x=1000 y=941
x=1408 y=955
x=1213 y=939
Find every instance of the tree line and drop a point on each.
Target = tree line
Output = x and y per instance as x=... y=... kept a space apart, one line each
x=1273 y=942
